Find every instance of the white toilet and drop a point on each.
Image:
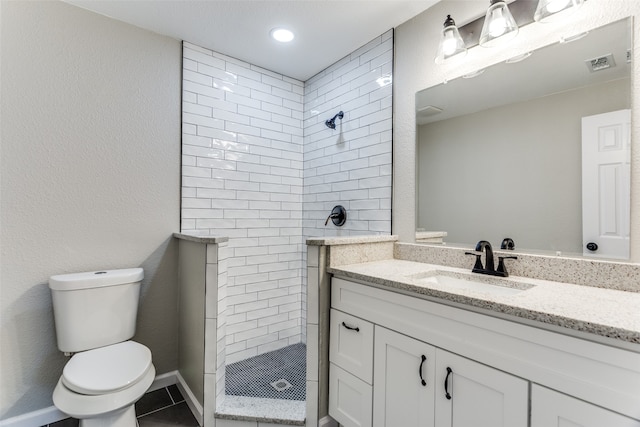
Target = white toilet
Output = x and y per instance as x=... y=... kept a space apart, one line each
x=95 y=316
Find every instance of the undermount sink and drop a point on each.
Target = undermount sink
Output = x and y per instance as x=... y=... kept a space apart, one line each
x=472 y=282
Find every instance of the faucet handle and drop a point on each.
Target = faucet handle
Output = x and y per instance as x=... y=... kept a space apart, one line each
x=508 y=244
x=502 y=269
x=478 y=265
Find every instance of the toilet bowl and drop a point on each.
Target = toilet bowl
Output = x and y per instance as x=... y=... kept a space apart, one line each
x=95 y=317
x=101 y=386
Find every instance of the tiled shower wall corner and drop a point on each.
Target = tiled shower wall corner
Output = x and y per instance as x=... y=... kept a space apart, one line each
x=242 y=147
x=350 y=165
x=255 y=172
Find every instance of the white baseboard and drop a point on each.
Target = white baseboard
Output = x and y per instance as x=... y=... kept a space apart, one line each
x=192 y=402
x=52 y=414
x=40 y=417
x=164 y=380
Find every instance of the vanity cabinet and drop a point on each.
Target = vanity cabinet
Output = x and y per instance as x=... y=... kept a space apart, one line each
x=552 y=409
x=426 y=364
x=417 y=384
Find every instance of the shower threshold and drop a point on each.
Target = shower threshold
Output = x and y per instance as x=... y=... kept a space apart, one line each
x=276 y=411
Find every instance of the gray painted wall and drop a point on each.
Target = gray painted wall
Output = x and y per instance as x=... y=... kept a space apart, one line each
x=468 y=167
x=90 y=179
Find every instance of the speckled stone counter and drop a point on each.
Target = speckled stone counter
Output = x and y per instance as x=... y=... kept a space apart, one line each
x=607 y=313
x=350 y=240
x=201 y=239
x=273 y=411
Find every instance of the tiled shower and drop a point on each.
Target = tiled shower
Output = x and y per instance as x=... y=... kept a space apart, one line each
x=260 y=167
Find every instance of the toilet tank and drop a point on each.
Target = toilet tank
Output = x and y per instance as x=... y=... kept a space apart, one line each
x=96 y=308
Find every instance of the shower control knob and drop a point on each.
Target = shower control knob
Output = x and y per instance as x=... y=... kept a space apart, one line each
x=592 y=246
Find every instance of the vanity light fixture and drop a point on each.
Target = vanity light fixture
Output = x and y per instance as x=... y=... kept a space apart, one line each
x=451 y=43
x=518 y=58
x=282 y=35
x=473 y=74
x=573 y=38
x=555 y=10
x=499 y=25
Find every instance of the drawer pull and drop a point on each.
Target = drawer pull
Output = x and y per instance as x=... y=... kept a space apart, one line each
x=350 y=327
x=446 y=384
x=424 y=359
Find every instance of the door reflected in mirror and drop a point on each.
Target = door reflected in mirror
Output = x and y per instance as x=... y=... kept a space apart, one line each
x=500 y=155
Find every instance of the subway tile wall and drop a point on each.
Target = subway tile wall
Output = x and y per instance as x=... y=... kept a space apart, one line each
x=242 y=160
x=350 y=165
x=261 y=167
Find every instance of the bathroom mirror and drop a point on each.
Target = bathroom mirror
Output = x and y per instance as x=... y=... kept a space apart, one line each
x=500 y=154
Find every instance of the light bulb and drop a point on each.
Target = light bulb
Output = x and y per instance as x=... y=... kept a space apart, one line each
x=449 y=44
x=498 y=24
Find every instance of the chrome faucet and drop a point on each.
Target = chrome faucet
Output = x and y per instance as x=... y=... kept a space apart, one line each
x=489 y=266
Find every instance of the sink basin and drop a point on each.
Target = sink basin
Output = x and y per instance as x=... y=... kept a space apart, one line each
x=471 y=282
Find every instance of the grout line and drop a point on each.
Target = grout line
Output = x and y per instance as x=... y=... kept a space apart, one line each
x=154 y=411
x=160 y=409
x=170 y=397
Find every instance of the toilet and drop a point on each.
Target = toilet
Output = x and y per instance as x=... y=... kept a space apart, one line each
x=95 y=317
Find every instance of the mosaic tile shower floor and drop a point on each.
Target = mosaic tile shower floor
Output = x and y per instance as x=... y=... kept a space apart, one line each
x=279 y=374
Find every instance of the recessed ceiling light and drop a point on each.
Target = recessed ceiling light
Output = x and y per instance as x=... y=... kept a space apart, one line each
x=282 y=35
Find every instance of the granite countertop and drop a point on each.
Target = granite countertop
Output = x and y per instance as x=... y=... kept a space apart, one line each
x=605 y=312
x=201 y=239
x=350 y=240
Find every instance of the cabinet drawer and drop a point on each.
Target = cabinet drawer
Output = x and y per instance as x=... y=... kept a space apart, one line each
x=350 y=399
x=552 y=409
x=351 y=345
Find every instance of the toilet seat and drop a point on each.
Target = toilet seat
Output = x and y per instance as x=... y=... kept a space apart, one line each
x=107 y=369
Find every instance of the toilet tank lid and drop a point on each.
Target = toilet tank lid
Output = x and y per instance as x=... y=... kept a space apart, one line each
x=95 y=279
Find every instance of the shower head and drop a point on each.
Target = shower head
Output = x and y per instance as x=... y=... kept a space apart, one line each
x=331 y=123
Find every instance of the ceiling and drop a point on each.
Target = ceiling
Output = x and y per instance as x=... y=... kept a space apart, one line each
x=326 y=31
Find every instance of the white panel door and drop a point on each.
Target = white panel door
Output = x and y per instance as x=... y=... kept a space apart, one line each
x=404 y=378
x=606 y=184
x=471 y=394
x=552 y=409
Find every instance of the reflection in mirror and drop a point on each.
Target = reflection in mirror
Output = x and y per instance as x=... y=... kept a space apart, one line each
x=501 y=154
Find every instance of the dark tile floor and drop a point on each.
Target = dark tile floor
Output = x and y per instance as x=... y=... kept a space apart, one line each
x=164 y=407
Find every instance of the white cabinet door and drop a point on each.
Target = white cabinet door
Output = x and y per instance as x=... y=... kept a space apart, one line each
x=470 y=394
x=349 y=398
x=403 y=374
x=552 y=409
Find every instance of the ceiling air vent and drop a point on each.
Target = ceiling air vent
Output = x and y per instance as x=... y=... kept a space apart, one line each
x=600 y=63
x=428 y=111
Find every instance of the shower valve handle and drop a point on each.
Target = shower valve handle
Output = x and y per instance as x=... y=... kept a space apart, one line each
x=338 y=216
